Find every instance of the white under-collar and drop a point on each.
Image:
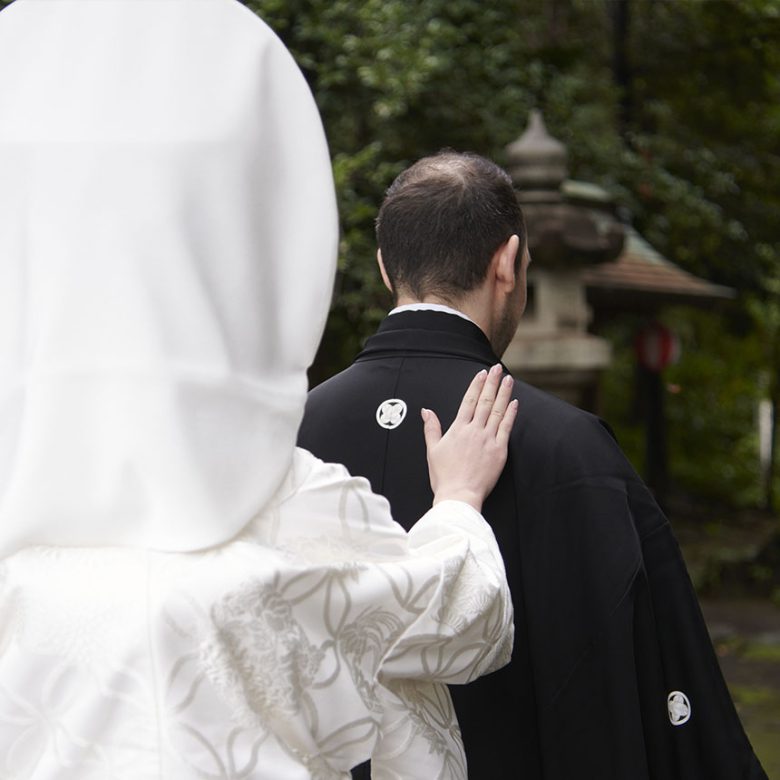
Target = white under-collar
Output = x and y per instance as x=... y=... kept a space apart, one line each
x=431 y=307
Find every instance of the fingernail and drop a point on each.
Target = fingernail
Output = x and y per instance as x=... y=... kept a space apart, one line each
x=507 y=380
x=496 y=368
x=424 y=413
x=482 y=373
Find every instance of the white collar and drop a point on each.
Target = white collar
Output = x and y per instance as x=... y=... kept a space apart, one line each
x=430 y=307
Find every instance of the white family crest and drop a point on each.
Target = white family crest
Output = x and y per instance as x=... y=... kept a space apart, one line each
x=391 y=413
x=679 y=708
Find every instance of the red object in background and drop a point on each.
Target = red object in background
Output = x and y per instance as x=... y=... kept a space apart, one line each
x=656 y=347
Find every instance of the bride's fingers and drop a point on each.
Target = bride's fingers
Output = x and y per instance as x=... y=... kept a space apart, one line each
x=500 y=405
x=505 y=426
x=470 y=399
x=487 y=397
x=431 y=428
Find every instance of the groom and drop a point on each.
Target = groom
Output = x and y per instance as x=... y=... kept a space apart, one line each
x=613 y=674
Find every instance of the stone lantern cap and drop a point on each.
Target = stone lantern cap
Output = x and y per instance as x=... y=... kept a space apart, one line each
x=537 y=161
x=570 y=225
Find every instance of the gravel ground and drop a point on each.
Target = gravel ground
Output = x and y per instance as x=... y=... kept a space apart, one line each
x=746 y=634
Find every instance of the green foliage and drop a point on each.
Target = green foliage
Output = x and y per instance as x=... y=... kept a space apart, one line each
x=711 y=405
x=695 y=159
x=706 y=122
x=712 y=419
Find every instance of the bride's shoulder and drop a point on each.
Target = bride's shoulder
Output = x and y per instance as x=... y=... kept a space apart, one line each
x=310 y=475
x=324 y=498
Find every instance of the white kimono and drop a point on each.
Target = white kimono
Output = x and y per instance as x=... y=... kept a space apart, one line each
x=183 y=594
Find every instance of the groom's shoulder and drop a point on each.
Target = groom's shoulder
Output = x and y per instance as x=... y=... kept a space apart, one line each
x=554 y=439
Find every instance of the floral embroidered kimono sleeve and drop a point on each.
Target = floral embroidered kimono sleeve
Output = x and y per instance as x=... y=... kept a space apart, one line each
x=434 y=601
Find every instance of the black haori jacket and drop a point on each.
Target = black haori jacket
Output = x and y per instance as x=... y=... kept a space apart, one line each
x=613 y=675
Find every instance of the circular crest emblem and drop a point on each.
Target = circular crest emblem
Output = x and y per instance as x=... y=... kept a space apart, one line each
x=679 y=708
x=391 y=413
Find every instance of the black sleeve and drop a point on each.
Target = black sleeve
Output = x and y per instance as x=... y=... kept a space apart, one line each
x=615 y=630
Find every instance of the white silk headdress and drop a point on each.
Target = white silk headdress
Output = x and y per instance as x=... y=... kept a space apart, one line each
x=167 y=247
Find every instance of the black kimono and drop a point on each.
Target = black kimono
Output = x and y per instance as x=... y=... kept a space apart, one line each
x=613 y=673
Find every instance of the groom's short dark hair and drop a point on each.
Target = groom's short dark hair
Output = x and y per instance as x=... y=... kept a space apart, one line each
x=442 y=220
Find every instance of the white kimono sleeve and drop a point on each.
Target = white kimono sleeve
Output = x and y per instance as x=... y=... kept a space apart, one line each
x=422 y=609
x=464 y=628
x=465 y=631
x=435 y=600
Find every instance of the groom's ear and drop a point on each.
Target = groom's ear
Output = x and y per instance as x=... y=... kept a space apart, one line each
x=383 y=272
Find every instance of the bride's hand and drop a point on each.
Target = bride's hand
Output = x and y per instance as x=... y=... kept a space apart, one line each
x=466 y=462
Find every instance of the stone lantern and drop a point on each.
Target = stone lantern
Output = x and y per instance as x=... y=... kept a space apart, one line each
x=585 y=262
x=552 y=348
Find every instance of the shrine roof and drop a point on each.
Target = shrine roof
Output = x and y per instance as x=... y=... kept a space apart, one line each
x=642 y=270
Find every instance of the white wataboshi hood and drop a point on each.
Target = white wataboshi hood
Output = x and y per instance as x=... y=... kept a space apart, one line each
x=167 y=247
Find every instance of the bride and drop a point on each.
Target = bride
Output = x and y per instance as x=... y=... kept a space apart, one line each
x=183 y=593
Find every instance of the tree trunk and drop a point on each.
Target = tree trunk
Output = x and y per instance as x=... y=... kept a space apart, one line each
x=622 y=73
